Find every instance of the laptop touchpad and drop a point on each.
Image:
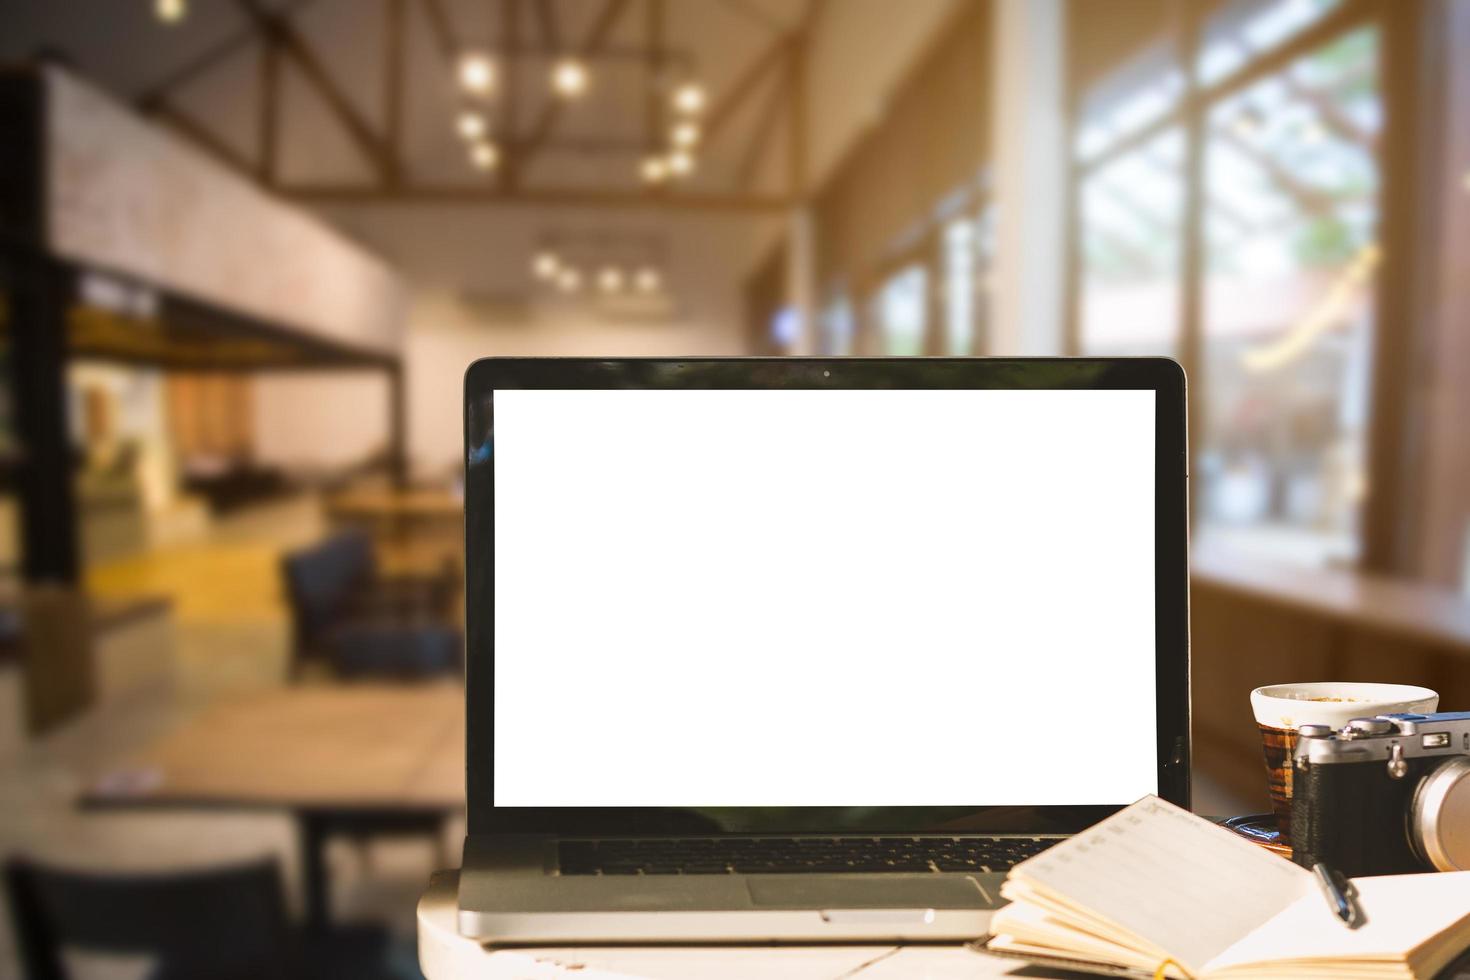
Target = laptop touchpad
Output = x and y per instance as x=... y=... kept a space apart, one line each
x=861 y=892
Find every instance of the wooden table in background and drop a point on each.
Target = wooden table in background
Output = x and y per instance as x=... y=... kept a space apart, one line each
x=356 y=759
x=396 y=513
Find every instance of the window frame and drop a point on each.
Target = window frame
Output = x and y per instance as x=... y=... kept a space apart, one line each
x=1400 y=27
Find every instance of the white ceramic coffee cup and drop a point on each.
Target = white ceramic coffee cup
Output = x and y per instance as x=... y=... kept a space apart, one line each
x=1336 y=703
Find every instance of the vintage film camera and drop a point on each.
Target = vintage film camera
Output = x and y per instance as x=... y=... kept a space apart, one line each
x=1384 y=795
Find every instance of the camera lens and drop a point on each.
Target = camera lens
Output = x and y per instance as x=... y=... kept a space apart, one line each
x=1439 y=821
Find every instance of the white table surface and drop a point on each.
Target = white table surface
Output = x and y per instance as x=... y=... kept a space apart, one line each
x=446 y=955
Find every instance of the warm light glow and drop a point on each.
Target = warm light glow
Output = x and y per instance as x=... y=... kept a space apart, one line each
x=610 y=280
x=170 y=11
x=569 y=280
x=689 y=98
x=684 y=135
x=654 y=169
x=476 y=73
x=569 y=78
x=484 y=155
x=1329 y=311
x=1467 y=181
x=471 y=125
x=647 y=280
x=681 y=163
x=545 y=265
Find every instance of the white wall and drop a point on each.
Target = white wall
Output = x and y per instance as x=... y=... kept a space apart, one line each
x=446 y=334
x=475 y=298
x=311 y=420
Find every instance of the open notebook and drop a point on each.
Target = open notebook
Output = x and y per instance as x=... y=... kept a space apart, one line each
x=1155 y=886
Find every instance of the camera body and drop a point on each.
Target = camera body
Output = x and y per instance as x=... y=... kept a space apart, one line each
x=1383 y=795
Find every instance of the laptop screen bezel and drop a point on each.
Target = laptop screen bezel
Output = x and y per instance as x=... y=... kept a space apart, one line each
x=1161 y=375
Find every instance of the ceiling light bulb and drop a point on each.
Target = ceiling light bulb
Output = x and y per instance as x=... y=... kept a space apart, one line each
x=689 y=97
x=647 y=280
x=484 y=155
x=476 y=73
x=569 y=280
x=684 y=135
x=654 y=169
x=545 y=265
x=569 y=77
x=681 y=163
x=170 y=11
x=610 y=279
x=471 y=125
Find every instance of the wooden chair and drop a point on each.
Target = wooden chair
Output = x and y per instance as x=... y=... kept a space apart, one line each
x=224 y=923
x=335 y=586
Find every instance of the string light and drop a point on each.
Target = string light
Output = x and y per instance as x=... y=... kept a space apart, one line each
x=471 y=125
x=484 y=155
x=681 y=163
x=170 y=11
x=610 y=280
x=684 y=134
x=689 y=98
x=476 y=73
x=545 y=265
x=569 y=280
x=569 y=78
x=654 y=169
x=647 y=280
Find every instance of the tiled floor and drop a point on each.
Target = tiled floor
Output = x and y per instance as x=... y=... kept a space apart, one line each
x=230 y=636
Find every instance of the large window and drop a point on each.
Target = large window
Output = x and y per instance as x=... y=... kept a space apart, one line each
x=1273 y=314
x=960 y=267
x=1288 y=286
x=1132 y=207
x=903 y=311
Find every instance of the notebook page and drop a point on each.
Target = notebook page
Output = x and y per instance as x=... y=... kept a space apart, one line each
x=1174 y=880
x=1402 y=913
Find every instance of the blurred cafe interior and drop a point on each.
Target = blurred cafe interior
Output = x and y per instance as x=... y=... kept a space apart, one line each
x=247 y=248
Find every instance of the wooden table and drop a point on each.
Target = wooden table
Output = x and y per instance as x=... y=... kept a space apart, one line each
x=365 y=760
x=446 y=955
x=395 y=513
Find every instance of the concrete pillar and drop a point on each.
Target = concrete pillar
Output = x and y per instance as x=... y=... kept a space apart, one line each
x=1030 y=156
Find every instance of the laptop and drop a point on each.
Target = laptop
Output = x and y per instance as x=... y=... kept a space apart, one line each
x=794 y=650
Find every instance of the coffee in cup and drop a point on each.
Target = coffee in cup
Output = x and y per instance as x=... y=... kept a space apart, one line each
x=1281 y=708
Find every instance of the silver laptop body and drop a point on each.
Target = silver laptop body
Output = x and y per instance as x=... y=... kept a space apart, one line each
x=735 y=776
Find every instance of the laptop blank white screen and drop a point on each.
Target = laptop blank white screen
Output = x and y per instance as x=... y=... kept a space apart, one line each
x=823 y=598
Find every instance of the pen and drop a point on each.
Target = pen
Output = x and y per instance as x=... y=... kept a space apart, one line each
x=1340 y=895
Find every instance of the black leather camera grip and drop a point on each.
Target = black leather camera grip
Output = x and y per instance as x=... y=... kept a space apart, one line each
x=1354 y=817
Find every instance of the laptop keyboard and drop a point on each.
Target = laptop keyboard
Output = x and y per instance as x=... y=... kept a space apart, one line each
x=795 y=855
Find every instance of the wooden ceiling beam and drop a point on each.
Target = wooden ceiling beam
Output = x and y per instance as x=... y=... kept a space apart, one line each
x=268 y=97
x=756 y=14
x=395 y=44
x=442 y=29
x=155 y=94
x=510 y=34
x=596 y=38
x=201 y=136
x=653 y=110
x=760 y=139
x=461 y=194
x=304 y=54
x=748 y=81
x=546 y=23
x=797 y=119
